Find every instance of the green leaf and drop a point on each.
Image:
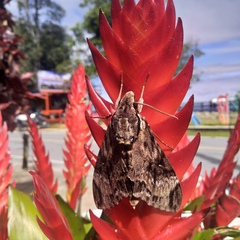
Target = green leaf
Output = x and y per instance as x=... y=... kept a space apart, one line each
x=228 y=232
x=223 y=231
x=194 y=204
x=87 y=224
x=22 y=213
x=76 y=224
x=205 y=234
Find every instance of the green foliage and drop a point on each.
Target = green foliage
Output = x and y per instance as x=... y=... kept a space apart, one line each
x=46 y=44
x=22 y=214
x=55 y=53
x=195 y=204
x=78 y=226
x=206 y=234
x=189 y=48
x=90 y=27
x=228 y=232
x=90 y=23
x=218 y=233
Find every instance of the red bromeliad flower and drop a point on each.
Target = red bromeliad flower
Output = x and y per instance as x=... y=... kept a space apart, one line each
x=215 y=185
x=55 y=225
x=43 y=166
x=145 y=40
x=78 y=134
x=5 y=175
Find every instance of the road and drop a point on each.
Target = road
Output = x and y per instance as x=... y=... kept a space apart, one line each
x=210 y=153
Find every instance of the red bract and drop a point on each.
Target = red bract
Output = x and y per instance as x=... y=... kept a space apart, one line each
x=55 y=226
x=145 y=40
x=215 y=185
x=43 y=166
x=78 y=134
x=160 y=40
x=5 y=175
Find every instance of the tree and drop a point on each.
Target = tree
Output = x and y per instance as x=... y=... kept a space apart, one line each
x=13 y=93
x=90 y=26
x=55 y=50
x=190 y=48
x=45 y=41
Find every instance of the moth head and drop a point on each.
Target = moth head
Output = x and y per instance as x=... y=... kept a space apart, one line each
x=125 y=121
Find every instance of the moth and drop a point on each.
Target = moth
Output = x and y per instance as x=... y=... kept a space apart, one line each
x=131 y=164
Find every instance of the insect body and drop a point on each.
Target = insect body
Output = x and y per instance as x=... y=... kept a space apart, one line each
x=131 y=164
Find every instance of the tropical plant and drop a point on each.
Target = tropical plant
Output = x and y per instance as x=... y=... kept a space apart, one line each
x=144 y=40
x=6 y=170
x=151 y=44
x=91 y=27
x=77 y=136
x=55 y=217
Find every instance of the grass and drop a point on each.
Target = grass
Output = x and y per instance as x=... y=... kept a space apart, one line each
x=209 y=133
x=212 y=119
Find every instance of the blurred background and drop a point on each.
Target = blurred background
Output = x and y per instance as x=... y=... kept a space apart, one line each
x=54 y=34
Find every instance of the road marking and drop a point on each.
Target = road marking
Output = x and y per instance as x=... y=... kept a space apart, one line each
x=54 y=161
x=44 y=140
x=212 y=148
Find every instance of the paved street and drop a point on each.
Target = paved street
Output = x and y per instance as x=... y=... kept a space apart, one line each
x=210 y=153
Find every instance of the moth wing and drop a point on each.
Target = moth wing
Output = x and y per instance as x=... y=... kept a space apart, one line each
x=154 y=179
x=109 y=177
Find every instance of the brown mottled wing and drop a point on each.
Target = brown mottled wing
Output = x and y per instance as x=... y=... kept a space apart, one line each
x=131 y=164
x=110 y=174
x=142 y=172
x=154 y=180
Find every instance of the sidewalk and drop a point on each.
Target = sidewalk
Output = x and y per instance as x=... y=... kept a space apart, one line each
x=211 y=128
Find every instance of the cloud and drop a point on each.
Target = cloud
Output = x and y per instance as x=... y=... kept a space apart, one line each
x=74 y=13
x=209 y=21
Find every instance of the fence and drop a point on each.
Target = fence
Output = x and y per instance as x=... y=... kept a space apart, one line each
x=209 y=106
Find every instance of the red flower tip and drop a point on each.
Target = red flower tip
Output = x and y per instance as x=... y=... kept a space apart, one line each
x=78 y=134
x=6 y=170
x=55 y=225
x=43 y=166
x=145 y=43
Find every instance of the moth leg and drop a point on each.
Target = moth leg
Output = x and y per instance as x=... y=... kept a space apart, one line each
x=120 y=92
x=164 y=143
x=140 y=101
x=130 y=188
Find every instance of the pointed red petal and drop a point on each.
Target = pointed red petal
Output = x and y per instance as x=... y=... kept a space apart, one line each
x=43 y=165
x=97 y=131
x=91 y=156
x=183 y=227
x=172 y=130
x=101 y=105
x=55 y=221
x=182 y=159
x=189 y=185
x=106 y=230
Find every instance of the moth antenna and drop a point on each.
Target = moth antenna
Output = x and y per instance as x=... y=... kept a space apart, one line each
x=120 y=92
x=158 y=110
x=140 y=101
x=102 y=117
x=155 y=135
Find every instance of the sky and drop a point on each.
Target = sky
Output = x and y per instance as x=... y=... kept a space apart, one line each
x=214 y=25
